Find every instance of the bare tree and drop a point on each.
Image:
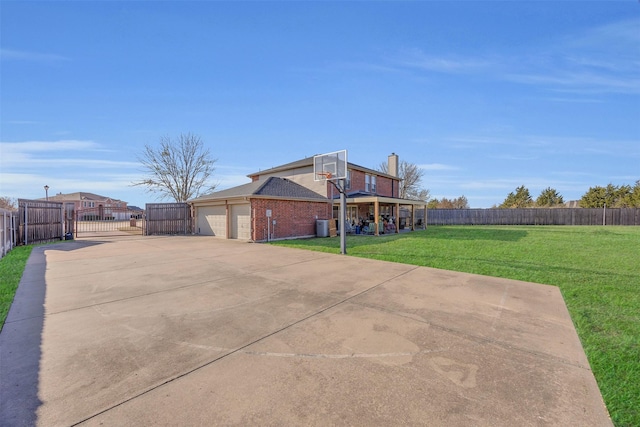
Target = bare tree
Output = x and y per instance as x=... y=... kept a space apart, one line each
x=411 y=178
x=179 y=168
x=8 y=203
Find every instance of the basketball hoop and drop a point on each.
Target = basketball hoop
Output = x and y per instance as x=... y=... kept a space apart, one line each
x=325 y=175
x=330 y=166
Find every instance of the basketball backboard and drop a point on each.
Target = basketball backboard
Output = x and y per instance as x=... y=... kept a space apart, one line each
x=330 y=166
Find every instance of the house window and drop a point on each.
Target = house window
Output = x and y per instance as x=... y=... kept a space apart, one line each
x=370 y=183
x=347 y=184
x=352 y=214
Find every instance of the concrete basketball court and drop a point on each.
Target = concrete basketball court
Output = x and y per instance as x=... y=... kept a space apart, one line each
x=195 y=331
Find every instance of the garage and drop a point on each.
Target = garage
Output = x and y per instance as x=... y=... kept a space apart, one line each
x=240 y=221
x=212 y=221
x=275 y=208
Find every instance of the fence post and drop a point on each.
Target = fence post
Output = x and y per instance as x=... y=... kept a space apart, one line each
x=3 y=232
x=26 y=222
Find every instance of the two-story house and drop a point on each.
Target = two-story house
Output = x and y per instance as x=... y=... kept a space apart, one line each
x=91 y=206
x=284 y=202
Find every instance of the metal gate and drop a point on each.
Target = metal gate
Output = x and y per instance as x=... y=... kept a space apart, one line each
x=107 y=221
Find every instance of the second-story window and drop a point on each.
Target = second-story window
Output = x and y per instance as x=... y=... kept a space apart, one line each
x=347 y=183
x=370 y=183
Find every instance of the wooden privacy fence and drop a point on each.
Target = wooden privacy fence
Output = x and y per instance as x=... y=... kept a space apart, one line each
x=39 y=221
x=535 y=216
x=7 y=231
x=168 y=218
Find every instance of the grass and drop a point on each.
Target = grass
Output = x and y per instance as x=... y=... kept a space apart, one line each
x=11 y=268
x=596 y=268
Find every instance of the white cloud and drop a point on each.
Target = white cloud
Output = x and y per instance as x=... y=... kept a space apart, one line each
x=31 y=185
x=417 y=58
x=437 y=167
x=57 y=163
x=600 y=60
x=40 y=146
x=58 y=154
x=588 y=82
x=21 y=55
x=23 y=122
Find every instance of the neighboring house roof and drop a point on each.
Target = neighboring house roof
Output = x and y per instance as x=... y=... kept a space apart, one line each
x=271 y=187
x=309 y=162
x=79 y=196
x=134 y=208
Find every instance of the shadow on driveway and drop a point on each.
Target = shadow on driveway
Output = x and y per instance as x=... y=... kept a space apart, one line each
x=21 y=340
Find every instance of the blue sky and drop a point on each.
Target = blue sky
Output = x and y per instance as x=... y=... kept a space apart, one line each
x=483 y=96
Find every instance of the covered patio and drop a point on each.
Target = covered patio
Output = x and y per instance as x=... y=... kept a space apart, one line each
x=368 y=214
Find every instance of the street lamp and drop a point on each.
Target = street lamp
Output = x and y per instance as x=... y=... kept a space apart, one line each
x=46 y=192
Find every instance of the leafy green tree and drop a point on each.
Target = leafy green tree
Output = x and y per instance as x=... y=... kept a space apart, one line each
x=632 y=198
x=520 y=199
x=433 y=204
x=610 y=196
x=635 y=196
x=594 y=198
x=549 y=197
x=623 y=197
x=444 y=203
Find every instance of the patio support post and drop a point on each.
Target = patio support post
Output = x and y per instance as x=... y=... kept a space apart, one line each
x=376 y=215
x=397 y=218
x=425 y=217
x=413 y=217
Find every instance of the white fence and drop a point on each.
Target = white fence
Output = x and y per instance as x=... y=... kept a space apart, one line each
x=7 y=231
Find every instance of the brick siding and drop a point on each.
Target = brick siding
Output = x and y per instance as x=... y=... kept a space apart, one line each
x=384 y=186
x=293 y=218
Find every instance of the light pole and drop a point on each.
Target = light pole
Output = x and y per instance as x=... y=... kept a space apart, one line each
x=46 y=192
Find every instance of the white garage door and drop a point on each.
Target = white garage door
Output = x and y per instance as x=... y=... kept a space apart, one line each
x=212 y=221
x=241 y=221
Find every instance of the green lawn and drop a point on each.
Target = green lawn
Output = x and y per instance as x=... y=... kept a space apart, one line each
x=596 y=268
x=11 y=268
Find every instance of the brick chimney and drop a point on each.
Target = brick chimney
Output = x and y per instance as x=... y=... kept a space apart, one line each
x=392 y=165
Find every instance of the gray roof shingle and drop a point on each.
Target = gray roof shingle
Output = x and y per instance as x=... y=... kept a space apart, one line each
x=272 y=187
x=309 y=162
x=282 y=187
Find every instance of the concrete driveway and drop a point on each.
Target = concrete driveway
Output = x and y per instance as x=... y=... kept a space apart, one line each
x=197 y=331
